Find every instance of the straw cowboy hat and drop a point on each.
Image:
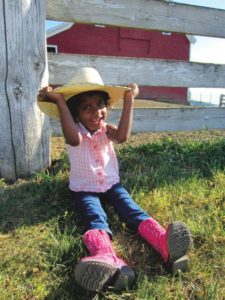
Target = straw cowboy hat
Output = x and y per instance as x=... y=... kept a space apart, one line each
x=84 y=79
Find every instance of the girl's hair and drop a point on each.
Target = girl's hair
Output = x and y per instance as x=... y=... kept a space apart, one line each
x=74 y=102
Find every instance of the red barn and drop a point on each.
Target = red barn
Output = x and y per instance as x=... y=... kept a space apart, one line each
x=116 y=41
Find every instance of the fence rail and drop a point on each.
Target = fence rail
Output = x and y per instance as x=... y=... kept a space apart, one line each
x=151 y=14
x=150 y=72
x=166 y=119
x=204 y=99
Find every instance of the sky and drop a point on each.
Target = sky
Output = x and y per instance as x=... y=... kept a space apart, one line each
x=214 y=48
x=205 y=49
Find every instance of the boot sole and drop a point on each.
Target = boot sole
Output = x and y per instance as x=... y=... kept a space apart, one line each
x=124 y=278
x=97 y=276
x=181 y=264
x=179 y=242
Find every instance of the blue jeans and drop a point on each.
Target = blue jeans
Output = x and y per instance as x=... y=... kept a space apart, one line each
x=89 y=207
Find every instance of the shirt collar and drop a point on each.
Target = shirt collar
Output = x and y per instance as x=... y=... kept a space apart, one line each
x=84 y=131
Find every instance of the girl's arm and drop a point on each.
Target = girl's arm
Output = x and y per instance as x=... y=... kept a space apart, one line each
x=71 y=135
x=122 y=133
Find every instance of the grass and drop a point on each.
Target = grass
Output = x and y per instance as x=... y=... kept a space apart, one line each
x=177 y=176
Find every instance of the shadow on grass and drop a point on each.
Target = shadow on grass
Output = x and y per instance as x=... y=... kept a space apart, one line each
x=31 y=203
x=46 y=196
x=37 y=199
x=145 y=167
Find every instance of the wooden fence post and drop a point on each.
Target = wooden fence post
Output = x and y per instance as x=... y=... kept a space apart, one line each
x=24 y=130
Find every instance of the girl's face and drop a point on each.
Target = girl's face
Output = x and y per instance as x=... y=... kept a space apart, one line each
x=92 y=113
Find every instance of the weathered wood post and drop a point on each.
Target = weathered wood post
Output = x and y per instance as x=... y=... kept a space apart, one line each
x=24 y=130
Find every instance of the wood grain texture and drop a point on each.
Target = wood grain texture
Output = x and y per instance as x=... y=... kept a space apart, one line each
x=145 y=14
x=165 y=119
x=150 y=72
x=24 y=145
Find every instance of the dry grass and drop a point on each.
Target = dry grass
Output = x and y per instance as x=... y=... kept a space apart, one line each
x=142 y=103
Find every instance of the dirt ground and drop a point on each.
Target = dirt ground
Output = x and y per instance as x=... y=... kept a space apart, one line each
x=142 y=103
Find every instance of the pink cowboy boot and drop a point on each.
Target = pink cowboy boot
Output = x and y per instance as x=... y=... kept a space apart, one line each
x=103 y=268
x=173 y=243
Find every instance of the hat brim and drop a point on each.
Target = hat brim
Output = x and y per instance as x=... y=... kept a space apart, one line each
x=116 y=93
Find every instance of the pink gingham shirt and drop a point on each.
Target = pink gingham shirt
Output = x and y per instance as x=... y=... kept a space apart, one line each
x=93 y=164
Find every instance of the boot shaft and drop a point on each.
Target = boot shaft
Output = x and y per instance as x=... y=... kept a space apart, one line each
x=155 y=235
x=98 y=242
x=172 y=243
x=103 y=267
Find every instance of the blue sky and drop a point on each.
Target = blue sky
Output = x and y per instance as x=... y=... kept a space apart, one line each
x=208 y=3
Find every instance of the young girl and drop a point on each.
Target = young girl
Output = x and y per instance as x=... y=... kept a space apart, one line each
x=94 y=179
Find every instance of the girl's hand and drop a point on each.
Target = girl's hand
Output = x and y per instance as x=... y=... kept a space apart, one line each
x=47 y=95
x=132 y=93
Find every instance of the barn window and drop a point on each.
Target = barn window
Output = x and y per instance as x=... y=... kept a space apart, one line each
x=52 y=49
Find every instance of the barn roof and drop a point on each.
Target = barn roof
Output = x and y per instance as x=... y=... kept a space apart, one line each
x=58 y=29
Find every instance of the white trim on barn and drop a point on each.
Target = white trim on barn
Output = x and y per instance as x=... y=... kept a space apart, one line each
x=191 y=38
x=52 y=47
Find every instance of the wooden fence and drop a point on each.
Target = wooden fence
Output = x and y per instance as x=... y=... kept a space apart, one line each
x=24 y=136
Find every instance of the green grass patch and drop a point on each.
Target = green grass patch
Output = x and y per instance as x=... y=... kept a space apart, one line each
x=172 y=179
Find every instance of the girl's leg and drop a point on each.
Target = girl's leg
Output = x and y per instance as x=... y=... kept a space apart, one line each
x=172 y=244
x=90 y=211
x=103 y=267
x=128 y=210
